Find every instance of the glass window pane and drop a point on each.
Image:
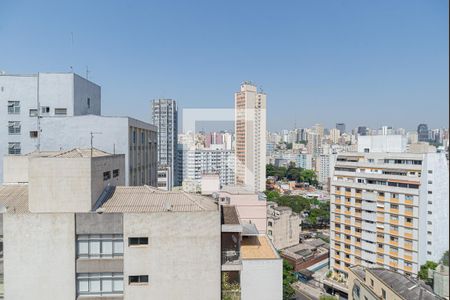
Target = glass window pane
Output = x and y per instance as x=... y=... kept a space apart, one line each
x=106 y=285
x=95 y=247
x=118 y=285
x=118 y=247
x=83 y=247
x=107 y=247
x=94 y=285
x=83 y=286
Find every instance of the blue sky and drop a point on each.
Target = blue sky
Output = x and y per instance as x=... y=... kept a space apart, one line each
x=361 y=62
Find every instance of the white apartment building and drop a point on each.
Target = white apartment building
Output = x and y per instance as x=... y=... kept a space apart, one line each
x=389 y=209
x=124 y=135
x=197 y=162
x=250 y=131
x=304 y=160
x=324 y=167
x=25 y=100
x=109 y=241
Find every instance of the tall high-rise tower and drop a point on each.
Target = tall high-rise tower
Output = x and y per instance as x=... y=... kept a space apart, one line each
x=422 y=132
x=250 y=127
x=165 y=117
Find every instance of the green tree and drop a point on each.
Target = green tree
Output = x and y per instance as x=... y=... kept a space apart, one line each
x=270 y=170
x=288 y=280
x=272 y=195
x=444 y=259
x=308 y=176
x=423 y=273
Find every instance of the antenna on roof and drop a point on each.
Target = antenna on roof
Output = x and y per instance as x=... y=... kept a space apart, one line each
x=92 y=140
x=87 y=72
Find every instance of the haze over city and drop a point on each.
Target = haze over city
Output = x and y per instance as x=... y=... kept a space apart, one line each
x=364 y=63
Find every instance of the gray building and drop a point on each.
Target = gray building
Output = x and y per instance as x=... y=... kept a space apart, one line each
x=423 y=133
x=165 y=118
x=120 y=135
x=25 y=100
x=340 y=127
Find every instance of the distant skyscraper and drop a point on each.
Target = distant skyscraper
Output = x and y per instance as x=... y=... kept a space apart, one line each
x=422 y=132
x=250 y=128
x=341 y=127
x=165 y=117
x=362 y=130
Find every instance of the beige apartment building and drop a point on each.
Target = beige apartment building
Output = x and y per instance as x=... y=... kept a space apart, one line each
x=389 y=210
x=283 y=226
x=250 y=130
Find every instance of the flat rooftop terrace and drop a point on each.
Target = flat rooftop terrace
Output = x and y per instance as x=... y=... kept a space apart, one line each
x=257 y=247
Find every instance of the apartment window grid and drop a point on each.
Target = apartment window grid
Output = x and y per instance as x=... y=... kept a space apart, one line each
x=14 y=127
x=98 y=284
x=13 y=107
x=100 y=245
x=14 y=148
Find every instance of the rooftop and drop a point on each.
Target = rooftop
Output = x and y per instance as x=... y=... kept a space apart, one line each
x=145 y=199
x=257 y=247
x=14 y=198
x=229 y=215
x=76 y=152
x=404 y=286
x=237 y=190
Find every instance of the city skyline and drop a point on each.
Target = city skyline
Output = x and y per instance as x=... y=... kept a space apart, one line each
x=303 y=59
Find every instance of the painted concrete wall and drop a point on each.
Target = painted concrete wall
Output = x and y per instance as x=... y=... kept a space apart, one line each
x=262 y=279
x=15 y=169
x=114 y=135
x=56 y=90
x=39 y=265
x=182 y=259
x=70 y=184
x=250 y=209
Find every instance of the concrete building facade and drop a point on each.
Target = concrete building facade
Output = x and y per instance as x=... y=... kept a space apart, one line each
x=250 y=131
x=135 y=139
x=25 y=100
x=283 y=226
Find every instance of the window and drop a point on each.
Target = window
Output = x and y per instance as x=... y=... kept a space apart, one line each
x=371 y=282
x=33 y=134
x=99 y=245
x=135 y=279
x=430 y=171
x=13 y=127
x=142 y=138
x=60 y=111
x=89 y=102
x=134 y=137
x=430 y=182
x=430 y=223
x=430 y=212
x=429 y=252
x=270 y=224
x=408 y=220
x=383 y=293
x=14 y=148
x=106 y=175
x=45 y=109
x=99 y=283
x=116 y=173
x=269 y=232
x=430 y=192
x=136 y=241
x=33 y=112
x=408 y=197
x=429 y=242
x=13 y=107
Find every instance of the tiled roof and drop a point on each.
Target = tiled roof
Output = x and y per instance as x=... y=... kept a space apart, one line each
x=229 y=215
x=14 y=198
x=142 y=199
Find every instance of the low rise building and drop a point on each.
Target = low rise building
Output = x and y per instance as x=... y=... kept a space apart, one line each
x=283 y=225
x=310 y=255
x=379 y=283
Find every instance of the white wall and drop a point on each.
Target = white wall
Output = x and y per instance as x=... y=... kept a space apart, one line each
x=182 y=259
x=39 y=256
x=262 y=279
x=15 y=169
x=382 y=143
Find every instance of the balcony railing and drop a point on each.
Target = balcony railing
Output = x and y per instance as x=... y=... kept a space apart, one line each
x=231 y=257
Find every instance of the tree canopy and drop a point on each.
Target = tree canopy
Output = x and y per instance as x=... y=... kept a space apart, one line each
x=292 y=173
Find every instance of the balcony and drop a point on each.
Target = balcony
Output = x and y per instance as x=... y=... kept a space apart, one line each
x=409 y=224
x=409 y=202
x=393 y=211
x=380 y=261
x=231 y=260
x=394 y=200
x=408 y=235
x=408 y=213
